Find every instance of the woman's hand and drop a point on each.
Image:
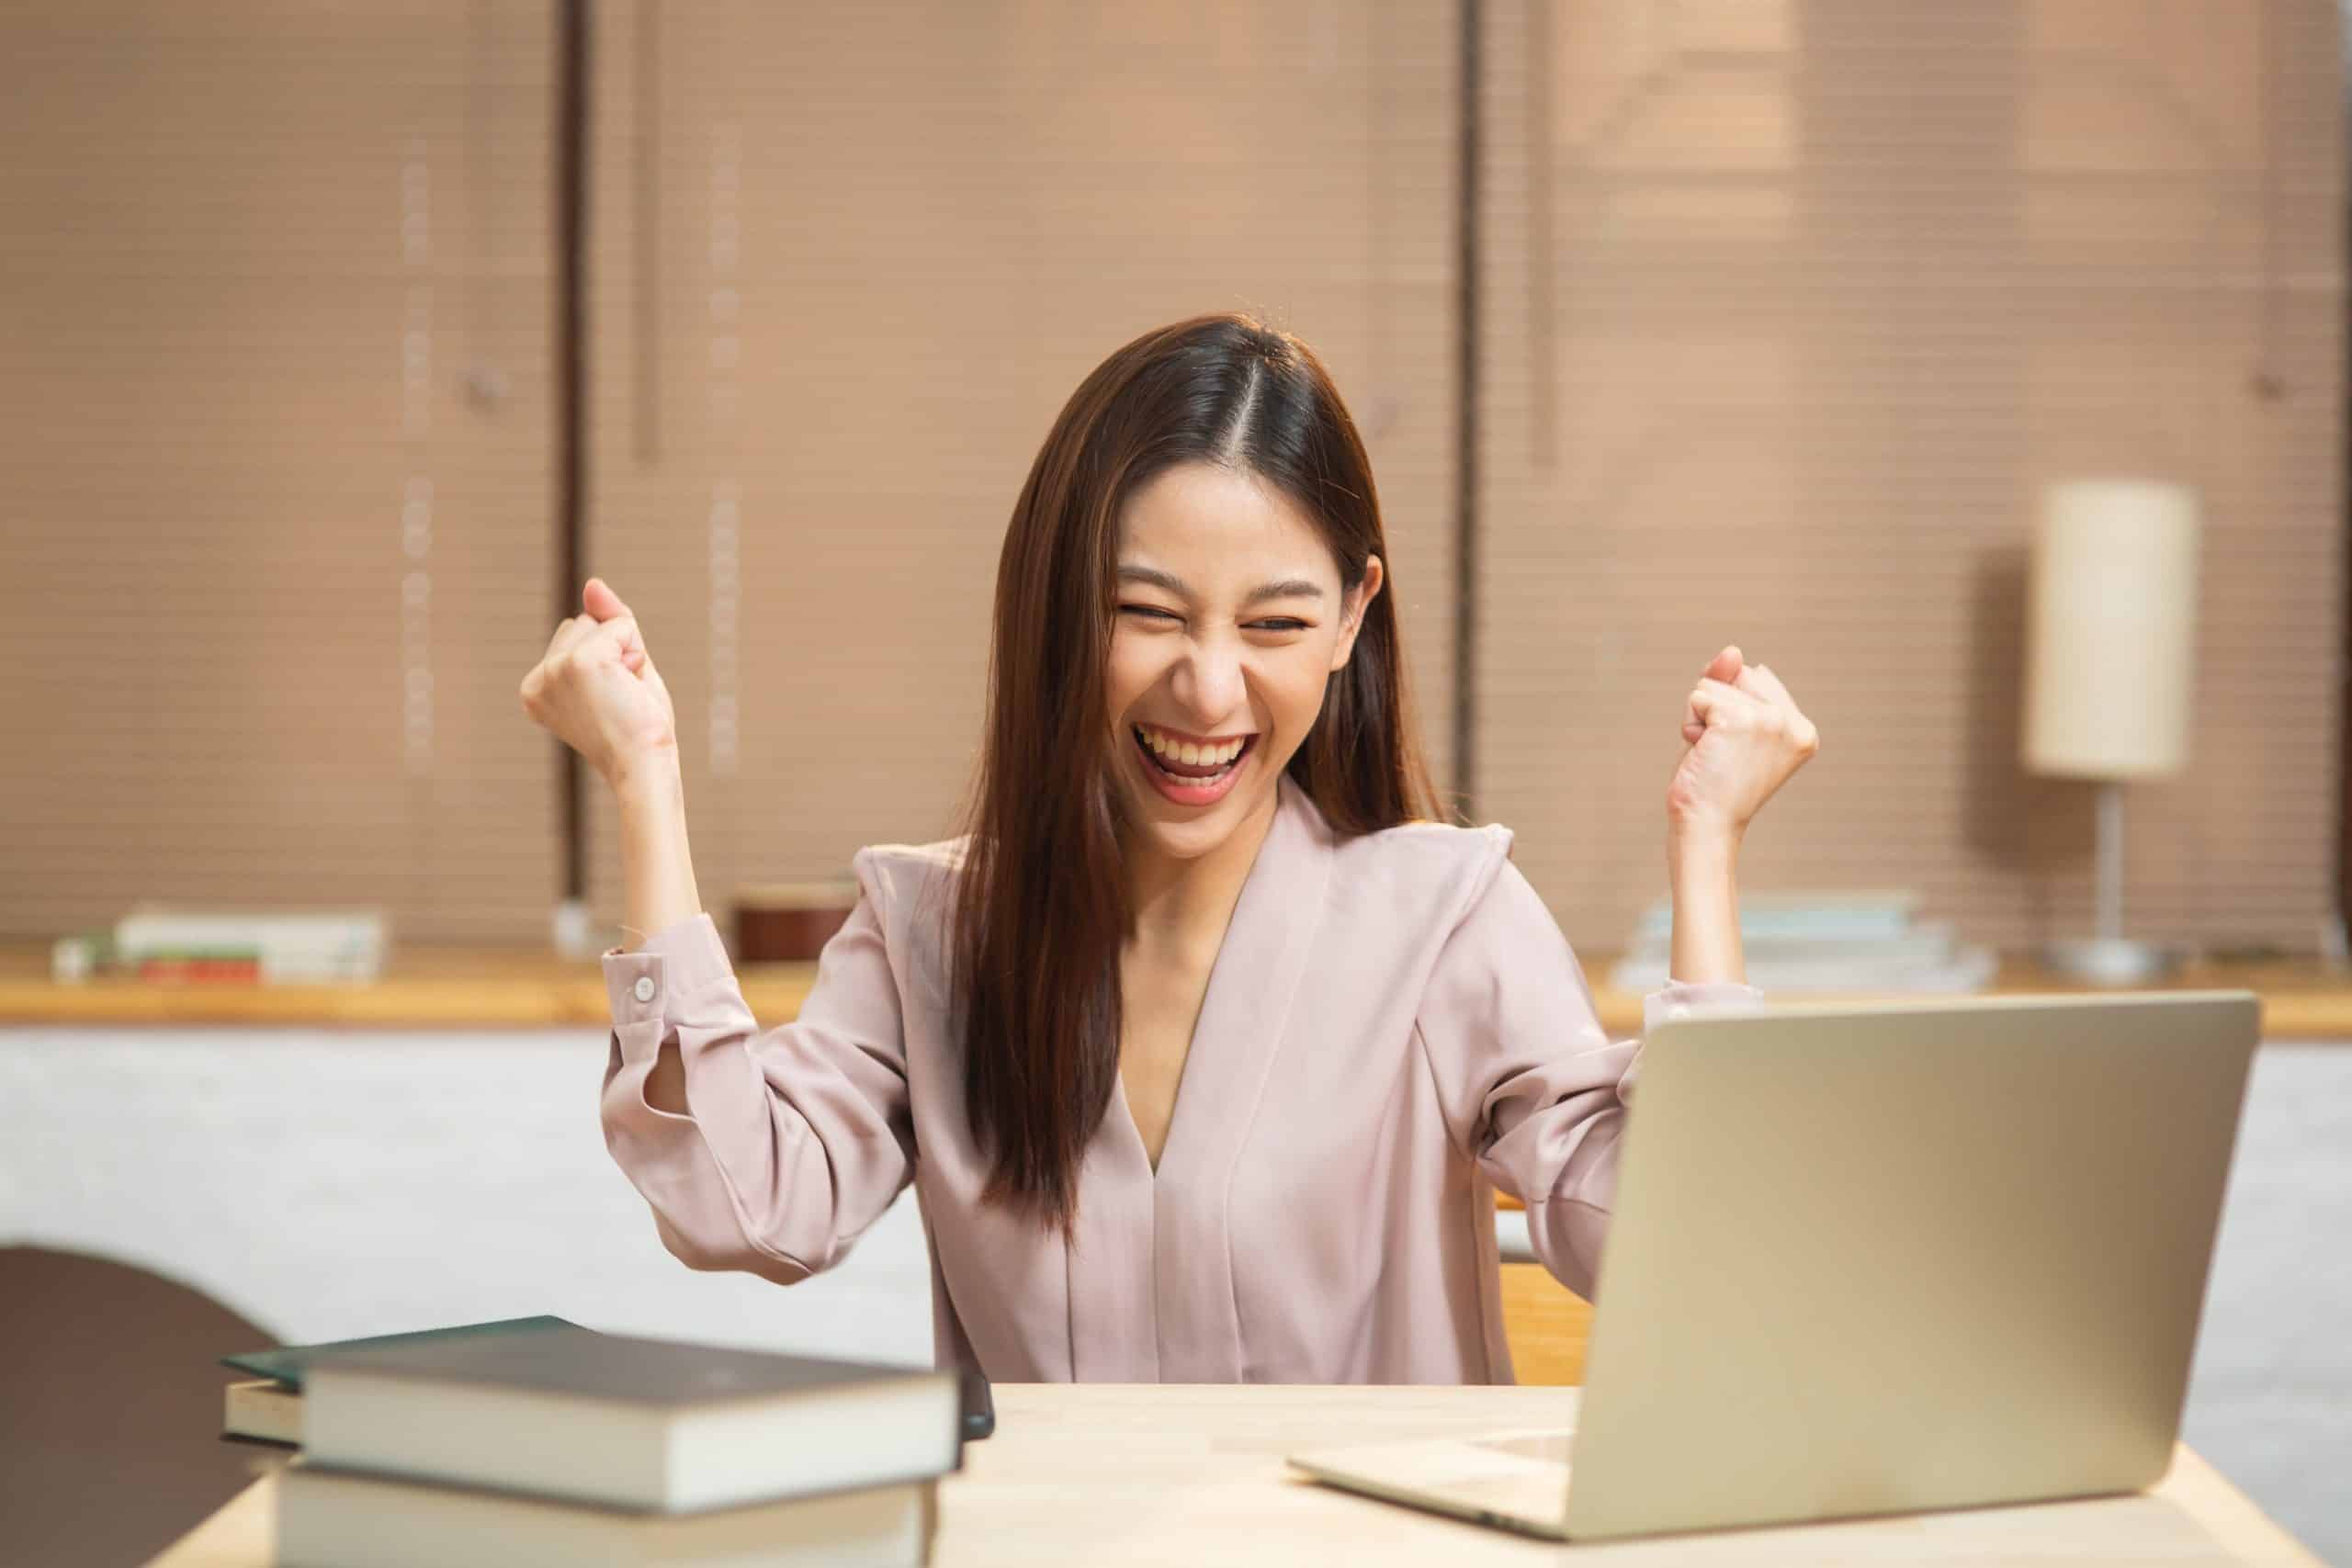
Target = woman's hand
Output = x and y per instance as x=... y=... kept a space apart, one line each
x=596 y=690
x=1747 y=737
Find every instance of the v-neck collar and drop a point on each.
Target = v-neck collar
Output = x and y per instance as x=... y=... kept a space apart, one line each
x=1150 y=1271
x=1121 y=1108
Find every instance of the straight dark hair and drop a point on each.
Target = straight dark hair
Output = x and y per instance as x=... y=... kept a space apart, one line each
x=1041 y=911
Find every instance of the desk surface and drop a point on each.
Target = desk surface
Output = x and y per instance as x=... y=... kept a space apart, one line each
x=1192 y=1473
x=451 y=988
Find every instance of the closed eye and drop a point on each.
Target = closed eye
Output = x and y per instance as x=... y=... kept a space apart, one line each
x=1274 y=624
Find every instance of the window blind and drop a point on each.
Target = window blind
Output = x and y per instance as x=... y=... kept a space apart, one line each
x=849 y=263
x=275 y=307
x=1792 y=307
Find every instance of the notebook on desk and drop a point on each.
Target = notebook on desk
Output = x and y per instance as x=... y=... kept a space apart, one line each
x=1872 y=1260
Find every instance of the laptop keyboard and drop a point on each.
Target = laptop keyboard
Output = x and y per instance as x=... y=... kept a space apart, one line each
x=1552 y=1446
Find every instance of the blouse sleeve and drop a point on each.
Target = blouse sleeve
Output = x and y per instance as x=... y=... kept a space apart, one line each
x=1532 y=1086
x=797 y=1138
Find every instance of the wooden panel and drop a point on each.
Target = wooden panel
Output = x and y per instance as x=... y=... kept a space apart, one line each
x=1793 y=306
x=2302 y=1001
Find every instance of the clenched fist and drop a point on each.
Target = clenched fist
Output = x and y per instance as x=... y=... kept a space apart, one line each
x=1746 y=737
x=596 y=689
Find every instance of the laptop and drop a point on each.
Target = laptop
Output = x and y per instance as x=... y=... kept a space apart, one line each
x=1879 y=1258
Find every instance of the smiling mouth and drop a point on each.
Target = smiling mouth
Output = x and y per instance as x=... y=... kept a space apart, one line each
x=1193 y=774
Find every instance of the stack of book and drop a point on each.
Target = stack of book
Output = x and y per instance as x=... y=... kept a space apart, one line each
x=268 y=1407
x=1867 y=941
x=535 y=1441
x=247 y=946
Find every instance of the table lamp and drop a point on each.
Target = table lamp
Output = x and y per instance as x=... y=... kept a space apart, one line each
x=2110 y=654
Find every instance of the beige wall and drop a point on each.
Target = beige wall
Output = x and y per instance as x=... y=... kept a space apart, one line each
x=1788 y=309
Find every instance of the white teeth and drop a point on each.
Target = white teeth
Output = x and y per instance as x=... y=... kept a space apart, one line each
x=1190 y=751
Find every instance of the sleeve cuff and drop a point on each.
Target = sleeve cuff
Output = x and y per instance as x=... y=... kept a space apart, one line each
x=679 y=960
x=1681 y=999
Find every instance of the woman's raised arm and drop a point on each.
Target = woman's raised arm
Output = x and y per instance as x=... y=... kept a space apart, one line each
x=777 y=1147
x=768 y=1151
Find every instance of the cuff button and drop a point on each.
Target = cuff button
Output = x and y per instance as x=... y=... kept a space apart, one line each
x=644 y=987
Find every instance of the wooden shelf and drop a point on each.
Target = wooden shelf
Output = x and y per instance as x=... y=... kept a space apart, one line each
x=421 y=988
x=448 y=987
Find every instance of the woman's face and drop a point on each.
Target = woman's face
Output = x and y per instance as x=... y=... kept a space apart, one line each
x=1230 y=623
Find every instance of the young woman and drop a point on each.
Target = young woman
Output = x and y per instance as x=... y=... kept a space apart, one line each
x=1205 y=1047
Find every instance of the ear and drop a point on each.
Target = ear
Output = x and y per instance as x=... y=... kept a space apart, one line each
x=1358 y=603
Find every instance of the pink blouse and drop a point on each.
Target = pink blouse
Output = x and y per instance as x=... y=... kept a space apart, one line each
x=1394 y=1027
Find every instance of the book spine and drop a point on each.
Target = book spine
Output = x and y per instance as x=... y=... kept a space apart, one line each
x=237 y=966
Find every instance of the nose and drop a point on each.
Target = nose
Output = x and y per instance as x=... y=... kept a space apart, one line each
x=1210 y=684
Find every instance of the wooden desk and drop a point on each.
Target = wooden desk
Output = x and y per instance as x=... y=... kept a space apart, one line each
x=435 y=986
x=1192 y=1473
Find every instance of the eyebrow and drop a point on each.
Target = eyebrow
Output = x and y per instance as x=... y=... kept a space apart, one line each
x=1283 y=588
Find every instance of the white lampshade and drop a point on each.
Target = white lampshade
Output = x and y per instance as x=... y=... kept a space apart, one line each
x=2112 y=630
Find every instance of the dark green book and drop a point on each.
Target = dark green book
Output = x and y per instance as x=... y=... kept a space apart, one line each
x=288 y=1363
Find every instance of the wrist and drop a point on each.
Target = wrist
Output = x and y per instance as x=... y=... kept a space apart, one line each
x=654 y=775
x=1702 y=848
x=1706 y=939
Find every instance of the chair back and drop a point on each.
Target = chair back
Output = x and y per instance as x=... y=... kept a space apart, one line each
x=111 y=1408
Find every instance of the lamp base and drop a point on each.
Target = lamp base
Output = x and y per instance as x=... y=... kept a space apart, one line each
x=2109 y=961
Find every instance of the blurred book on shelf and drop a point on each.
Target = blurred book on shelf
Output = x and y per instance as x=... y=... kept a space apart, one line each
x=1847 y=941
x=183 y=944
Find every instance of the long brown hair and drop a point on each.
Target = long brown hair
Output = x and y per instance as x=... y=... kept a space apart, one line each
x=1041 y=911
